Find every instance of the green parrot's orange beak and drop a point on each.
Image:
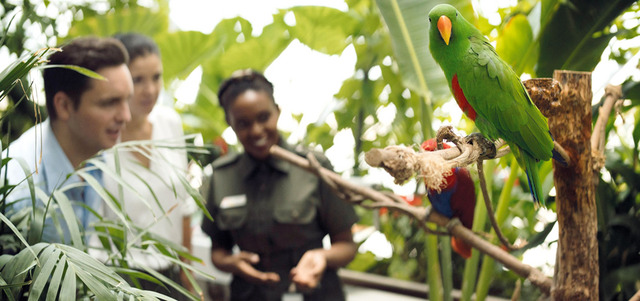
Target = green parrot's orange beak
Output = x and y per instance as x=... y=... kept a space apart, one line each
x=444 y=26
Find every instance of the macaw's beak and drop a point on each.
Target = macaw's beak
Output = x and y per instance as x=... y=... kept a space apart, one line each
x=444 y=26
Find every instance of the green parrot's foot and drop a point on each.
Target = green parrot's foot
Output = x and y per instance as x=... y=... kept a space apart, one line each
x=446 y=132
x=487 y=146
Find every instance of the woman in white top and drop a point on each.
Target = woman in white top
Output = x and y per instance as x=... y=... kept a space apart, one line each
x=152 y=170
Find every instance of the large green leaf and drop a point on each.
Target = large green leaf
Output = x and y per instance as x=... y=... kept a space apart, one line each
x=575 y=36
x=242 y=51
x=204 y=115
x=138 y=19
x=408 y=25
x=636 y=131
x=183 y=51
x=631 y=91
x=256 y=52
x=514 y=40
x=322 y=28
x=320 y=134
x=349 y=90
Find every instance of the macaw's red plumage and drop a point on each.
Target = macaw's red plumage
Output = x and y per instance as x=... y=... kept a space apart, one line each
x=457 y=198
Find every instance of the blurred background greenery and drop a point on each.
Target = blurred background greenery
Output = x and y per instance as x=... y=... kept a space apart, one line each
x=394 y=95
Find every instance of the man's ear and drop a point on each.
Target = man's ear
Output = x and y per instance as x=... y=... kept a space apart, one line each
x=63 y=105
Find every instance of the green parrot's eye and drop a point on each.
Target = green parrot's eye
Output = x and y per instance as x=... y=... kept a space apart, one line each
x=429 y=20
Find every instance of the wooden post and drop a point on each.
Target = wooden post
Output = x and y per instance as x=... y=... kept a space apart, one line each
x=576 y=271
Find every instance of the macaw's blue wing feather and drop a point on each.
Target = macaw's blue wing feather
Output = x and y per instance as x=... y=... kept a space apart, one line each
x=441 y=202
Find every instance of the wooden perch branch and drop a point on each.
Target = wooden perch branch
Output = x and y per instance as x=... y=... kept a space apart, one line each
x=422 y=214
x=576 y=270
x=403 y=162
x=545 y=94
x=598 y=138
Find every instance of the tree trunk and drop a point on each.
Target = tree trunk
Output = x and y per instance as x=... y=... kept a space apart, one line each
x=576 y=271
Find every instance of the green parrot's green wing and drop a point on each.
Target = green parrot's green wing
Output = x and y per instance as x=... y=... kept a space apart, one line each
x=503 y=107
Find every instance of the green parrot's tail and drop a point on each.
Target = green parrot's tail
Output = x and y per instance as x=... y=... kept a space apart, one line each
x=530 y=166
x=531 y=169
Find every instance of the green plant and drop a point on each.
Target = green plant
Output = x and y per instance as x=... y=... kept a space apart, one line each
x=37 y=270
x=535 y=36
x=619 y=208
x=530 y=39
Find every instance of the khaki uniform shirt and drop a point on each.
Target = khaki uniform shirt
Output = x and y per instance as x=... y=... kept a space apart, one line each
x=277 y=210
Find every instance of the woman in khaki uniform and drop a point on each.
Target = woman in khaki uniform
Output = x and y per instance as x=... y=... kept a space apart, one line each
x=276 y=213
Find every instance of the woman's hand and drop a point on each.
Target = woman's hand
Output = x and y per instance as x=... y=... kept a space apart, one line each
x=308 y=273
x=241 y=264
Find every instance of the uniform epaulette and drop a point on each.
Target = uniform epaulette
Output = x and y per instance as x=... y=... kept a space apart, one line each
x=225 y=160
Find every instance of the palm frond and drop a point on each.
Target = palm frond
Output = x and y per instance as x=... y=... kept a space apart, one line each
x=19 y=69
x=57 y=276
x=60 y=272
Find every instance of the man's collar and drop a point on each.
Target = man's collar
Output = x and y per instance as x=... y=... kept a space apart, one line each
x=55 y=163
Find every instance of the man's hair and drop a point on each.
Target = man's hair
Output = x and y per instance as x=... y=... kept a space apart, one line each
x=138 y=45
x=241 y=81
x=89 y=52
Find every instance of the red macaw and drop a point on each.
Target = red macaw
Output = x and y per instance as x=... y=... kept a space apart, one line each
x=456 y=199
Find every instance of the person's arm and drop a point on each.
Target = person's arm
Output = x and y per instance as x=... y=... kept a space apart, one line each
x=308 y=273
x=241 y=264
x=186 y=242
x=342 y=250
x=186 y=235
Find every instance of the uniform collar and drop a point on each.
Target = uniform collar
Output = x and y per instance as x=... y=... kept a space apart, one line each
x=249 y=165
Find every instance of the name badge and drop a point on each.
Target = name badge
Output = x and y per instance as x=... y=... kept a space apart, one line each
x=233 y=201
x=292 y=297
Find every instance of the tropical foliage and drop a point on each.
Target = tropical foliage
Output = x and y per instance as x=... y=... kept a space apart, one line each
x=394 y=72
x=532 y=38
x=37 y=270
x=45 y=270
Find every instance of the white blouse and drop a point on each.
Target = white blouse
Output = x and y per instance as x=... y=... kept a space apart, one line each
x=161 y=180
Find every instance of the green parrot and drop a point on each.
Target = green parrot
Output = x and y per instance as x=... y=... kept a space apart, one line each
x=489 y=92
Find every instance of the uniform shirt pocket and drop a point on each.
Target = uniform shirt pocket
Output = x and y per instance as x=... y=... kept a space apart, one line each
x=231 y=218
x=296 y=225
x=297 y=212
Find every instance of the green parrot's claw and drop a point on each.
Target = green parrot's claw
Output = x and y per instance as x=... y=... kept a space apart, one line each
x=488 y=147
x=446 y=132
